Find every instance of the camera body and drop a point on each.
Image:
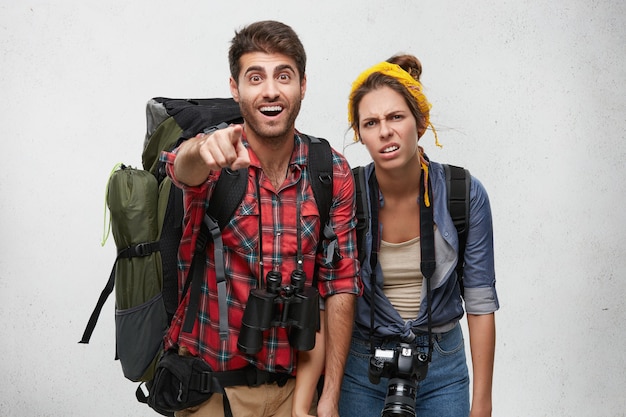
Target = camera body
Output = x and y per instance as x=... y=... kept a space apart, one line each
x=294 y=306
x=405 y=366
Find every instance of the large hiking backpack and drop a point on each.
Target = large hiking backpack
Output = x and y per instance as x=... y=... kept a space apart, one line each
x=146 y=219
x=458 y=190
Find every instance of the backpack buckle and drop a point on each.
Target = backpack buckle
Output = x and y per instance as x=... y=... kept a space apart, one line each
x=144 y=248
x=141 y=249
x=206 y=382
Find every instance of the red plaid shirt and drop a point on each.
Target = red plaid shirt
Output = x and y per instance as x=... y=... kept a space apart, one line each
x=279 y=243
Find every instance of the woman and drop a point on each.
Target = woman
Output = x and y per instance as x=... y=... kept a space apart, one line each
x=413 y=307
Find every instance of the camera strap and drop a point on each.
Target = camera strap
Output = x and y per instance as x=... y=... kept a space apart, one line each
x=260 y=282
x=427 y=248
x=375 y=207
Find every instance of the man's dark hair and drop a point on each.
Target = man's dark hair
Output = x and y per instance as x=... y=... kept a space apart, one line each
x=266 y=36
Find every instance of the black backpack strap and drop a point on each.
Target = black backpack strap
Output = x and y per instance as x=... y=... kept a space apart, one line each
x=93 y=319
x=320 y=166
x=458 y=188
x=169 y=241
x=227 y=195
x=229 y=190
x=362 y=212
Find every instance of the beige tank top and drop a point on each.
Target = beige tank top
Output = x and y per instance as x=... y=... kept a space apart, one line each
x=403 y=277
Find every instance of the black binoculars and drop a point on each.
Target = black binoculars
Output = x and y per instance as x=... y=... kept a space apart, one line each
x=293 y=306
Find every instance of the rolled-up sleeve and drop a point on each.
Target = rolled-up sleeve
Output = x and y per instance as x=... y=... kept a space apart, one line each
x=479 y=273
x=168 y=158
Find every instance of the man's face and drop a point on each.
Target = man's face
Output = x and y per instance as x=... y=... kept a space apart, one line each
x=269 y=91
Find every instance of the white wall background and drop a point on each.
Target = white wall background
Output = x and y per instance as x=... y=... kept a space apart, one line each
x=528 y=95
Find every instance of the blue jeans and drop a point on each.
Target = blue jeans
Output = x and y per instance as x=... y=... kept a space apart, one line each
x=444 y=392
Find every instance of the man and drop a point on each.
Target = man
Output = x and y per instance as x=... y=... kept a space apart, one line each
x=276 y=228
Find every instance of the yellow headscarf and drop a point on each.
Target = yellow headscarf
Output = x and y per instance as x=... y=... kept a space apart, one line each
x=414 y=87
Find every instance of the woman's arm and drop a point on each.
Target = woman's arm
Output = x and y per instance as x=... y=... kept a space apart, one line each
x=309 y=370
x=482 y=332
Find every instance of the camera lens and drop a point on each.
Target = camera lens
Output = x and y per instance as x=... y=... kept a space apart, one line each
x=400 y=400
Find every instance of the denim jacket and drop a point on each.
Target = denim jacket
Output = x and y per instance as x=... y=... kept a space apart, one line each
x=447 y=305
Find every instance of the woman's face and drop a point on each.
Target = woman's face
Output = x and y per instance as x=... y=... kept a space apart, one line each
x=388 y=129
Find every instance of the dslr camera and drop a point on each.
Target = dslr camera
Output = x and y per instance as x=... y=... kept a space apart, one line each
x=405 y=367
x=293 y=306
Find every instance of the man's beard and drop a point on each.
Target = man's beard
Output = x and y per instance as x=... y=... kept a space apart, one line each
x=272 y=130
